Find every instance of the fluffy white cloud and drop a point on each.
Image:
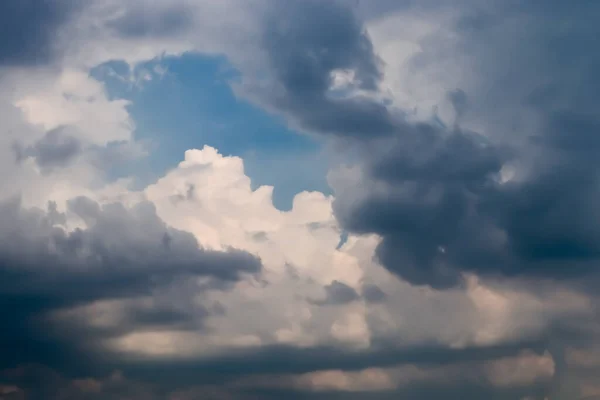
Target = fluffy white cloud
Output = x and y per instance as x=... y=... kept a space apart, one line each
x=75 y=99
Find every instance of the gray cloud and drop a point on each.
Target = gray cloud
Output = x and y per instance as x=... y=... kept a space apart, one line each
x=64 y=147
x=261 y=374
x=57 y=148
x=431 y=192
x=305 y=42
x=337 y=293
x=373 y=294
x=28 y=29
x=139 y=20
x=121 y=254
x=36 y=382
x=441 y=207
x=429 y=213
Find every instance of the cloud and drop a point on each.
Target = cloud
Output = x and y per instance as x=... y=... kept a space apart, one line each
x=421 y=194
x=57 y=148
x=37 y=382
x=136 y=32
x=338 y=293
x=71 y=97
x=404 y=380
x=442 y=197
x=118 y=254
x=140 y=20
x=498 y=181
x=184 y=324
x=520 y=370
x=306 y=44
x=29 y=30
x=138 y=308
x=373 y=294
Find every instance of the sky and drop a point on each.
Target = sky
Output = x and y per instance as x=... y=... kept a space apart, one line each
x=304 y=199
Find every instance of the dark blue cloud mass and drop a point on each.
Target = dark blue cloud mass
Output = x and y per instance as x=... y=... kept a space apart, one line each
x=306 y=42
x=446 y=208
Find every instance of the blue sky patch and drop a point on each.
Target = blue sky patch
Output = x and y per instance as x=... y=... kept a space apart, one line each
x=186 y=102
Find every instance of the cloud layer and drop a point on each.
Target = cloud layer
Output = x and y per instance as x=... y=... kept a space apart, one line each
x=455 y=259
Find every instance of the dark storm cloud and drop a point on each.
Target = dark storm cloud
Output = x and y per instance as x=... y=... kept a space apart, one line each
x=241 y=372
x=305 y=42
x=444 y=209
x=36 y=382
x=428 y=213
x=264 y=374
x=122 y=253
x=270 y=360
x=28 y=29
x=440 y=206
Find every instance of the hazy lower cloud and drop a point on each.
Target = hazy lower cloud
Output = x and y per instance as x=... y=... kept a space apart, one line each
x=455 y=257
